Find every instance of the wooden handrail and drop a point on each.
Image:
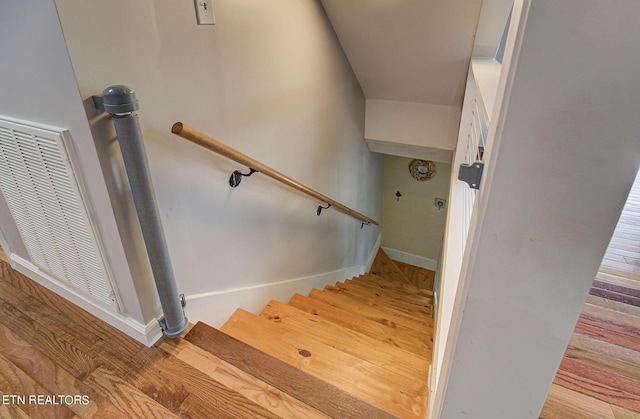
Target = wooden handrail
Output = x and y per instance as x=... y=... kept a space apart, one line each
x=202 y=139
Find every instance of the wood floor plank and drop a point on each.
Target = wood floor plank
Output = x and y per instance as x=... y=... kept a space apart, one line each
x=626 y=245
x=392 y=300
x=11 y=411
x=615 y=250
x=211 y=391
x=597 y=390
x=194 y=407
x=419 y=277
x=234 y=378
x=14 y=381
x=44 y=314
x=379 y=387
x=383 y=302
x=74 y=315
x=51 y=377
x=614 y=305
x=604 y=355
x=37 y=365
x=78 y=362
x=615 y=296
x=615 y=257
x=394 y=285
x=621 y=272
x=608 y=314
x=386 y=332
x=415 y=299
x=605 y=335
x=152 y=381
x=125 y=396
x=623 y=266
x=620 y=289
x=618 y=280
x=620 y=413
x=346 y=340
x=563 y=403
x=69 y=332
x=385 y=267
x=371 y=313
x=314 y=392
x=602 y=360
x=612 y=325
x=604 y=376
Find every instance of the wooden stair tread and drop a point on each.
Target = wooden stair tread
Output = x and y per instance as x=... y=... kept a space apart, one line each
x=372 y=313
x=375 y=385
x=315 y=392
x=384 y=266
x=390 y=334
x=420 y=277
x=391 y=358
x=394 y=285
x=415 y=299
x=419 y=306
x=382 y=302
x=343 y=365
x=259 y=392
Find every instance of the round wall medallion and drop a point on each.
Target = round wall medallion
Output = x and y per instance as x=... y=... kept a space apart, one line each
x=422 y=169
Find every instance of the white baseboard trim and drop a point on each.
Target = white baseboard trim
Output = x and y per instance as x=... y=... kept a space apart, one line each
x=411 y=259
x=147 y=334
x=215 y=308
x=373 y=253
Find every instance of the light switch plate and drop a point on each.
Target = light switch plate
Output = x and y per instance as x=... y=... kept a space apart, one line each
x=204 y=12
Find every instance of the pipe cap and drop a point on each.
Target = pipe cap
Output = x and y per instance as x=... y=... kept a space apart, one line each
x=119 y=99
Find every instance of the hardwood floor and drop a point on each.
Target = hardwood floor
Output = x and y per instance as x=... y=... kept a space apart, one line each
x=599 y=376
x=49 y=347
x=420 y=277
x=57 y=361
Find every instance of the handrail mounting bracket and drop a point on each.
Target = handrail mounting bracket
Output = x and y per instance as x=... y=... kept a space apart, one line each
x=236 y=177
x=320 y=208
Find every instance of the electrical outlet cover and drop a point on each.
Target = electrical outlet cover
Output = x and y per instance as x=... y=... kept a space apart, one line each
x=204 y=12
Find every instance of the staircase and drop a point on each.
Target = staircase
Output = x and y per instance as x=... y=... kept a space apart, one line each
x=359 y=349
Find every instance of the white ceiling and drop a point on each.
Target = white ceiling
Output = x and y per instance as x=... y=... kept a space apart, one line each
x=407 y=50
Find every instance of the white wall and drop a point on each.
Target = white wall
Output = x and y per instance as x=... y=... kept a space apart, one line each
x=413 y=224
x=455 y=239
x=270 y=80
x=491 y=24
x=418 y=130
x=565 y=152
x=38 y=85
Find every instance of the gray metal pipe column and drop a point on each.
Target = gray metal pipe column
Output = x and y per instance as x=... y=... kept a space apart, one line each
x=120 y=102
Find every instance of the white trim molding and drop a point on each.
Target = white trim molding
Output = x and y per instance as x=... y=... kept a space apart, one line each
x=147 y=334
x=411 y=259
x=215 y=308
x=373 y=253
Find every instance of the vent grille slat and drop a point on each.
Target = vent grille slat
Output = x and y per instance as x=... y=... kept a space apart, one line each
x=41 y=189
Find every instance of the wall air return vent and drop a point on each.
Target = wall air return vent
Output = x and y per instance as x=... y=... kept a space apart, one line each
x=38 y=181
